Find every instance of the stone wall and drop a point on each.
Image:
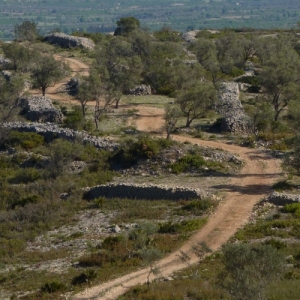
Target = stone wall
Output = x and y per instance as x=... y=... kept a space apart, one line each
x=51 y=131
x=282 y=198
x=143 y=191
x=229 y=106
x=40 y=109
x=141 y=90
x=69 y=41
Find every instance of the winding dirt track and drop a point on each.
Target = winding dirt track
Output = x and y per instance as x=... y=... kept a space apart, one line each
x=243 y=192
x=254 y=181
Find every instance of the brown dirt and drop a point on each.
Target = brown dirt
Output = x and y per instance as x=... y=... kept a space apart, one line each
x=55 y=92
x=260 y=170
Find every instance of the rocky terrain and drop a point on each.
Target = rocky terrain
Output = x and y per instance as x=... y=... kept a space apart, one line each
x=68 y=41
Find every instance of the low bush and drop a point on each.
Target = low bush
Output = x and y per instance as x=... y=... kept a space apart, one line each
x=27 y=140
x=197 y=207
x=53 y=287
x=282 y=185
x=183 y=226
x=143 y=148
x=26 y=176
x=276 y=243
x=293 y=208
x=85 y=277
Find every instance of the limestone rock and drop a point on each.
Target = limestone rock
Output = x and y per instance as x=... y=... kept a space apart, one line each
x=190 y=36
x=69 y=41
x=40 y=109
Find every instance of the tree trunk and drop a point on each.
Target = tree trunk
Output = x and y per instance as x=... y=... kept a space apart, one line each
x=83 y=109
x=188 y=122
x=43 y=90
x=117 y=103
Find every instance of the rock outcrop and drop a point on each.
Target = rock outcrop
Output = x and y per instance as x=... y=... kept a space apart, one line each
x=229 y=106
x=141 y=90
x=51 y=131
x=4 y=62
x=143 y=191
x=282 y=198
x=40 y=109
x=69 y=41
x=190 y=36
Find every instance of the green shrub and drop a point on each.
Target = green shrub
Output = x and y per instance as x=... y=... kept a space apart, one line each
x=183 y=226
x=74 y=119
x=235 y=72
x=53 y=287
x=187 y=162
x=85 y=277
x=293 y=208
x=25 y=200
x=27 y=140
x=25 y=176
x=282 y=185
x=198 y=206
x=276 y=244
x=144 y=148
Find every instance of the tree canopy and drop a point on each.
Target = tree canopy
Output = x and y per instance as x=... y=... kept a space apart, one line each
x=126 y=25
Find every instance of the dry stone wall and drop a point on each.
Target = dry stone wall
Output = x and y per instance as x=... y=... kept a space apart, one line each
x=69 y=41
x=229 y=106
x=282 y=198
x=51 y=131
x=143 y=191
x=40 y=109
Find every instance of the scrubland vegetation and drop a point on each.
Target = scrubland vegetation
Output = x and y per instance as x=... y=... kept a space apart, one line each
x=41 y=181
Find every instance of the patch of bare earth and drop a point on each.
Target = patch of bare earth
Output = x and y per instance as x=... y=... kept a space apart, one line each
x=242 y=193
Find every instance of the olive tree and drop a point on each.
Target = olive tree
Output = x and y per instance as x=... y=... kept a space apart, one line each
x=92 y=88
x=126 y=25
x=249 y=269
x=280 y=74
x=10 y=91
x=172 y=115
x=196 y=101
x=26 y=31
x=118 y=66
x=47 y=72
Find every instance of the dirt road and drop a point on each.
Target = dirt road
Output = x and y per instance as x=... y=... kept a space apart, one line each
x=245 y=189
x=260 y=170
